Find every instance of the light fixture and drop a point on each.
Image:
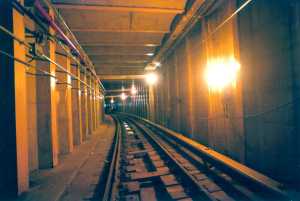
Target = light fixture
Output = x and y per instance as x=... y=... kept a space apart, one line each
x=133 y=90
x=151 y=78
x=150 y=45
x=112 y=100
x=221 y=73
x=123 y=96
x=157 y=64
x=150 y=54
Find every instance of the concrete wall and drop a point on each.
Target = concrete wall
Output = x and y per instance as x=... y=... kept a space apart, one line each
x=256 y=120
x=35 y=97
x=267 y=47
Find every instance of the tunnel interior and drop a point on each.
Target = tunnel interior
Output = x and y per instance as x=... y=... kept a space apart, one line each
x=223 y=73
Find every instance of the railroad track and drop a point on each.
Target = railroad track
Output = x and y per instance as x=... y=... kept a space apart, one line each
x=151 y=163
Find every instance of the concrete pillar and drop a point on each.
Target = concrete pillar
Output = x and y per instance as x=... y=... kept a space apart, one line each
x=101 y=108
x=139 y=100
x=84 y=107
x=46 y=107
x=13 y=115
x=64 y=108
x=94 y=103
x=98 y=113
x=189 y=89
x=147 y=102
x=140 y=91
x=96 y=106
x=76 y=109
x=32 y=107
x=89 y=105
x=151 y=103
x=143 y=92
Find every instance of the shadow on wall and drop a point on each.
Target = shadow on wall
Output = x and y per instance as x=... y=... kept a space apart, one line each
x=255 y=120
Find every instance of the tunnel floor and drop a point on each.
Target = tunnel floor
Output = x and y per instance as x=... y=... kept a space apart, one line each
x=77 y=176
x=134 y=160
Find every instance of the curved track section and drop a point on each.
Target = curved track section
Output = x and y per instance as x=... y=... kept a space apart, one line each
x=150 y=163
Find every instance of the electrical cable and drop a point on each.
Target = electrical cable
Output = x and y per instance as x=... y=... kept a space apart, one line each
x=231 y=16
x=44 y=72
x=37 y=3
x=22 y=42
x=58 y=40
x=25 y=63
x=40 y=55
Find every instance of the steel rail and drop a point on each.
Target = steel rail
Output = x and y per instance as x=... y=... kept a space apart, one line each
x=238 y=171
x=192 y=181
x=111 y=181
x=234 y=190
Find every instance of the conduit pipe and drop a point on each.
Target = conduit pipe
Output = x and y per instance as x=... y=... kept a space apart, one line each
x=52 y=23
x=44 y=13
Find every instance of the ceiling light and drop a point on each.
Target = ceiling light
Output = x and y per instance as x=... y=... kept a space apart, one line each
x=150 y=54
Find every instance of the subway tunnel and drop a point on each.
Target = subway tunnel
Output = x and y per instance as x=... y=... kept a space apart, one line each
x=149 y=100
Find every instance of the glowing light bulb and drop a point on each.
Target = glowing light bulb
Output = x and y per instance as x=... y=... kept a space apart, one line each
x=157 y=64
x=112 y=100
x=221 y=72
x=151 y=78
x=123 y=96
x=150 y=54
x=133 y=90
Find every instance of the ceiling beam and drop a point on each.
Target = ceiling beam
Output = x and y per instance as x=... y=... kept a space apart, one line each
x=117 y=54
x=117 y=8
x=117 y=90
x=120 y=65
x=119 y=58
x=128 y=62
x=119 y=30
x=121 y=77
x=184 y=25
x=119 y=44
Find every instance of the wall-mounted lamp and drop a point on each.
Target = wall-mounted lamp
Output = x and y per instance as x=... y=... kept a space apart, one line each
x=221 y=73
x=123 y=96
x=151 y=78
x=133 y=90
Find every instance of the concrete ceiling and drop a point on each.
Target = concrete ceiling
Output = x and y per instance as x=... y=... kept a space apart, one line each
x=120 y=36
